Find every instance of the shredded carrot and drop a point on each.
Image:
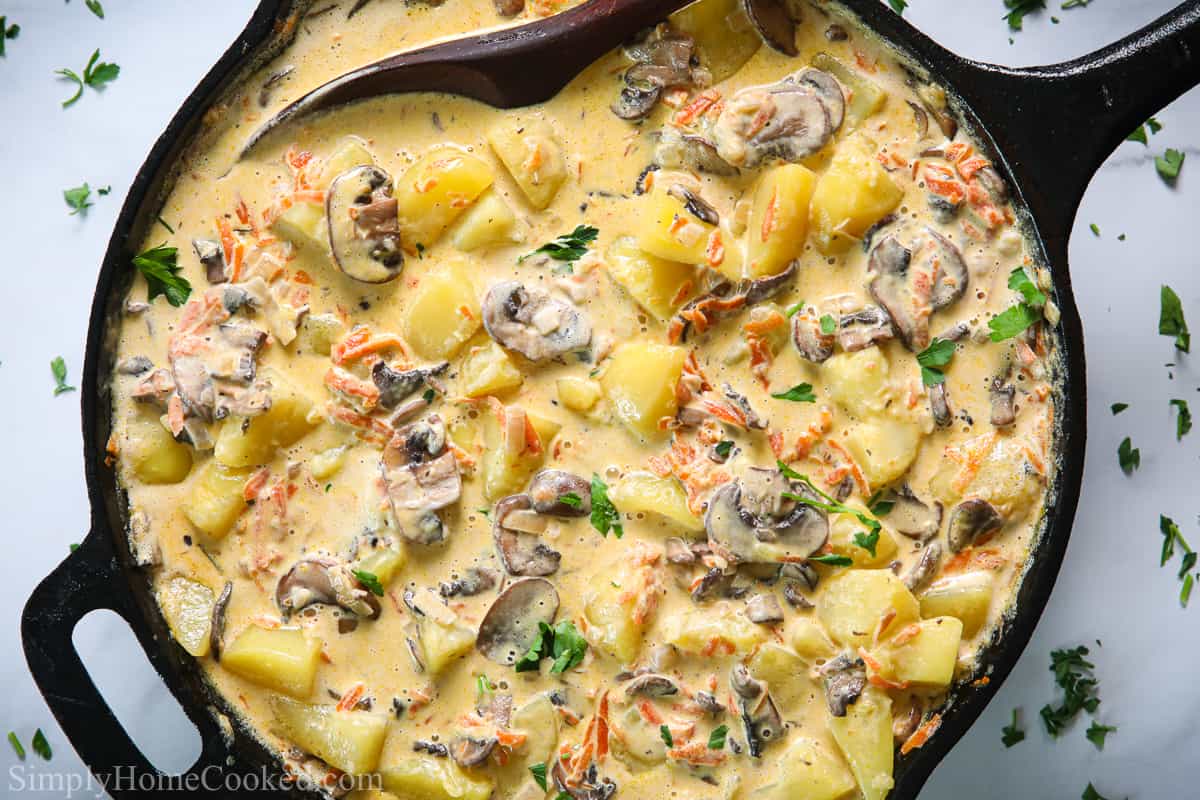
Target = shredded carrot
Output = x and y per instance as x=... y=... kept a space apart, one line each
x=703 y=102
x=768 y=222
x=714 y=254
x=921 y=735
x=348 y=384
x=350 y=699
x=360 y=342
x=255 y=484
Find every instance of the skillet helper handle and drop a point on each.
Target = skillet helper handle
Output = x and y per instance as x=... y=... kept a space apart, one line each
x=88 y=580
x=1059 y=123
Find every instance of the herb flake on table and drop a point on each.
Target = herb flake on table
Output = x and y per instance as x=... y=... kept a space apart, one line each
x=1169 y=164
x=17 y=747
x=58 y=368
x=1017 y=9
x=160 y=267
x=1139 y=133
x=800 y=393
x=898 y=5
x=1117 y=408
x=1090 y=793
x=41 y=746
x=1170 y=319
x=1183 y=422
x=567 y=248
x=933 y=358
x=95 y=7
x=97 y=74
x=1073 y=674
x=1128 y=457
x=78 y=199
x=7 y=33
x=1172 y=538
x=1012 y=733
x=1097 y=733
x=605 y=516
x=1095 y=229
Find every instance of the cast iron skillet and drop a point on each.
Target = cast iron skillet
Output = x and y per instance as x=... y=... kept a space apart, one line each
x=1049 y=129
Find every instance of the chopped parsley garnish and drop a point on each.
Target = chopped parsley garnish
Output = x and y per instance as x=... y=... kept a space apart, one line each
x=878 y=506
x=1170 y=319
x=794 y=309
x=665 y=733
x=1012 y=734
x=567 y=248
x=7 y=32
x=800 y=393
x=831 y=560
x=1139 y=133
x=1019 y=281
x=898 y=5
x=1172 y=537
x=539 y=775
x=1014 y=320
x=1117 y=408
x=78 y=199
x=1183 y=423
x=17 y=747
x=41 y=746
x=716 y=739
x=160 y=268
x=95 y=7
x=487 y=512
x=867 y=541
x=563 y=643
x=571 y=499
x=1169 y=164
x=370 y=581
x=1097 y=733
x=723 y=448
x=482 y=685
x=933 y=358
x=1017 y=9
x=828 y=325
x=605 y=516
x=1128 y=456
x=97 y=74
x=1073 y=673
x=58 y=368
x=1095 y=229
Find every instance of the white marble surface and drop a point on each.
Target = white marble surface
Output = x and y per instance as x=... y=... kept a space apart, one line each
x=1111 y=587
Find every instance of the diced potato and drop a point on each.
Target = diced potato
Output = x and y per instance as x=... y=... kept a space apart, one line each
x=510 y=455
x=811 y=771
x=864 y=736
x=612 y=627
x=533 y=156
x=283 y=659
x=923 y=654
x=665 y=228
x=884 y=448
x=488 y=369
x=808 y=639
x=303 y=224
x=638 y=744
x=644 y=492
x=545 y=428
x=778 y=219
x=640 y=384
x=443 y=315
x=852 y=605
x=347 y=740
x=967 y=596
x=851 y=196
x=319 y=332
x=384 y=563
x=537 y=718
x=351 y=152
x=187 y=606
x=658 y=285
x=253 y=441
x=428 y=778
x=1007 y=477
x=215 y=499
x=725 y=39
x=435 y=191
x=490 y=221
x=719 y=631
x=858 y=381
x=152 y=452
x=443 y=642
x=786 y=674
x=327 y=463
x=578 y=394
x=842 y=530
x=865 y=95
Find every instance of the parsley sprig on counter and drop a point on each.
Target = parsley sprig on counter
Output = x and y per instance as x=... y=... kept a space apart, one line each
x=97 y=74
x=567 y=248
x=58 y=368
x=7 y=32
x=1073 y=673
x=1172 y=537
x=41 y=746
x=1139 y=133
x=1128 y=457
x=1017 y=9
x=1169 y=164
x=1013 y=733
x=1183 y=422
x=1170 y=319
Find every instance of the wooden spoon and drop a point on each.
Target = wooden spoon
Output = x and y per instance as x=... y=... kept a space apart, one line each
x=508 y=68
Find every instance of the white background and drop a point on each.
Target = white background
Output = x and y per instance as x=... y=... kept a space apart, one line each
x=1111 y=587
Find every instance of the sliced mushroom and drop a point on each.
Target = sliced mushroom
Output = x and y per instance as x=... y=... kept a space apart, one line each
x=811 y=342
x=509 y=8
x=753 y=420
x=694 y=204
x=468 y=751
x=421 y=478
x=788 y=120
x=560 y=493
x=864 y=328
x=436 y=749
x=791 y=593
x=651 y=684
x=907 y=719
x=764 y=609
x=134 y=365
x=939 y=405
x=662 y=60
x=913 y=283
x=760 y=717
x=521 y=553
x=324 y=581
x=911 y=516
x=727 y=298
x=471 y=583
x=364 y=231
x=749 y=520
x=845 y=679
x=534 y=323
x=212 y=258
x=920 y=118
x=511 y=624
x=774 y=22
x=970 y=520
x=592 y=786
x=709 y=702
x=1004 y=410
x=216 y=630
x=719 y=582
x=678 y=552
x=829 y=90
x=925 y=568
x=689 y=152
x=396 y=385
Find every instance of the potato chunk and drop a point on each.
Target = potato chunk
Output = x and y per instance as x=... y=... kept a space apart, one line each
x=644 y=492
x=187 y=606
x=725 y=38
x=809 y=770
x=303 y=224
x=514 y=444
x=967 y=596
x=1007 y=476
x=152 y=452
x=435 y=191
x=215 y=499
x=283 y=659
x=665 y=228
x=842 y=530
x=786 y=673
x=853 y=604
x=657 y=285
x=865 y=96
x=384 y=563
x=864 y=736
x=851 y=196
x=253 y=441
x=443 y=642
x=808 y=639
x=443 y=315
x=351 y=152
x=639 y=382
x=347 y=740
x=533 y=156
x=922 y=654
x=858 y=381
x=488 y=369
x=613 y=625
x=778 y=222
x=428 y=778
x=490 y=221
x=578 y=394
x=884 y=448
x=713 y=631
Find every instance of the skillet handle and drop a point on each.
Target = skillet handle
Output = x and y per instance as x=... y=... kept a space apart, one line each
x=88 y=580
x=1057 y=124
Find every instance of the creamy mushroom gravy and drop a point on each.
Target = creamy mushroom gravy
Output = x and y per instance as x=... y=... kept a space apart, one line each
x=378 y=445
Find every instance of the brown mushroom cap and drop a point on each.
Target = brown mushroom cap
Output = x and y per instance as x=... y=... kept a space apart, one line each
x=533 y=322
x=749 y=520
x=970 y=520
x=774 y=22
x=364 y=231
x=799 y=125
x=511 y=624
x=327 y=582
x=549 y=487
x=521 y=553
x=912 y=283
x=911 y=516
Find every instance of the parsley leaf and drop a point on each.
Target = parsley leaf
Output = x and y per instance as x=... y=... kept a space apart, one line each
x=543 y=640
x=17 y=747
x=1018 y=9
x=1095 y=229
x=1090 y=793
x=794 y=309
x=539 y=775
x=41 y=746
x=832 y=560
x=867 y=541
x=723 y=448
x=828 y=325
x=1183 y=423
x=665 y=733
x=1073 y=673
x=78 y=199
x=1170 y=319
x=878 y=506
x=1169 y=164
x=1014 y=320
x=370 y=581
x=605 y=516
x=800 y=393
x=1128 y=456
x=933 y=358
x=428 y=396
x=563 y=643
x=58 y=368
x=569 y=247
x=1171 y=537
x=160 y=268
x=716 y=739
x=1019 y=281
x=1097 y=733
x=1139 y=133
x=96 y=75
x=7 y=32
x=95 y=7
x=898 y=5
x=1117 y=408
x=1011 y=734
x=571 y=499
